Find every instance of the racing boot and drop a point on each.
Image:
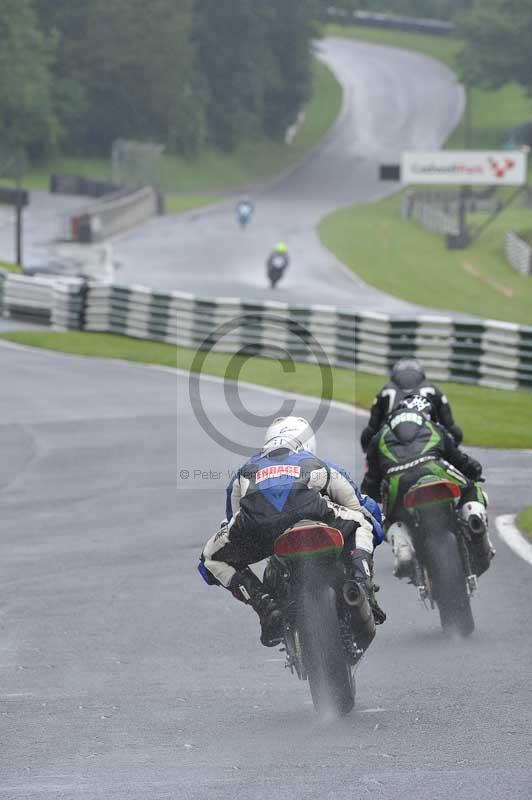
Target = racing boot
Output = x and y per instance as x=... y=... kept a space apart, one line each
x=363 y=575
x=245 y=586
x=482 y=551
x=403 y=550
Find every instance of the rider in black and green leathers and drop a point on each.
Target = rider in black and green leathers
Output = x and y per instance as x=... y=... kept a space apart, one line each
x=410 y=446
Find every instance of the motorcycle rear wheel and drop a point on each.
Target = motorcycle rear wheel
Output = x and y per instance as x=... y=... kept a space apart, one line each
x=329 y=672
x=448 y=583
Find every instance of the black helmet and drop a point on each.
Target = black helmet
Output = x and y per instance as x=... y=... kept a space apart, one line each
x=416 y=403
x=407 y=373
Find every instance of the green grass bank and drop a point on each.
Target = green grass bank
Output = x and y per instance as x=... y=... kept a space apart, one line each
x=502 y=422
x=402 y=258
x=9 y=267
x=524 y=521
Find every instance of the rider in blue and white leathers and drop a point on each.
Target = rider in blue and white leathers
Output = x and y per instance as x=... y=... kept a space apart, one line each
x=275 y=489
x=371 y=508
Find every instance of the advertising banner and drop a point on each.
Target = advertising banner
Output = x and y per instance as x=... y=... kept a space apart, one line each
x=480 y=167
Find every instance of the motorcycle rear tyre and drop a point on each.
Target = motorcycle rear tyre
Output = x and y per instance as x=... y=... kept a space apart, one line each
x=330 y=676
x=448 y=583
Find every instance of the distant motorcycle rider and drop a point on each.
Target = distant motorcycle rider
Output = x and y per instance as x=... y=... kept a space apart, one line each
x=277 y=263
x=244 y=211
x=408 y=378
x=409 y=446
x=281 y=485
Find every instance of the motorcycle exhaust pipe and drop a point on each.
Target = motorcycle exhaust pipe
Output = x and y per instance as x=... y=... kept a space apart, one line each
x=476 y=525
x=362 y=621
x=353 y=594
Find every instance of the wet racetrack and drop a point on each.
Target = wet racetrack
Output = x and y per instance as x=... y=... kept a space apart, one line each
x=124 y=677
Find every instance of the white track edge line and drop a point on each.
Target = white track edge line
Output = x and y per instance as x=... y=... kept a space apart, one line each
x=512 y=536
x=336 y=404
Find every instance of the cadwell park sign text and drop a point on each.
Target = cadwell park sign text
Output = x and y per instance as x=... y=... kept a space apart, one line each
x=497 y=167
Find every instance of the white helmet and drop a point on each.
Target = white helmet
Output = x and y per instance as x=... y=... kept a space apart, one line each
x=294 y=433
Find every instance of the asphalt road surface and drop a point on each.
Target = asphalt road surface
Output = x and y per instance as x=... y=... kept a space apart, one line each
x=394 y=100
x=125 y=677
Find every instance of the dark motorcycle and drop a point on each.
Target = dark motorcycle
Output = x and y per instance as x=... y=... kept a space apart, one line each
x=442 y=560
x=277 y=264
x=327 y=620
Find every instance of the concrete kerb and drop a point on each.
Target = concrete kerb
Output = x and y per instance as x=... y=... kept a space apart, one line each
x=512 y=536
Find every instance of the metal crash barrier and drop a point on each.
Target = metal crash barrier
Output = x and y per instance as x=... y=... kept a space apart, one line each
x=481 y=352
x=115 y=213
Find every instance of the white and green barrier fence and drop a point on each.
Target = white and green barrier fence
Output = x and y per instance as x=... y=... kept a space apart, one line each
x=48 y=301
x=489 y=353
x=484 y=352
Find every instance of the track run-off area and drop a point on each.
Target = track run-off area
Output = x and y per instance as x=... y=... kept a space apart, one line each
x=123 y=675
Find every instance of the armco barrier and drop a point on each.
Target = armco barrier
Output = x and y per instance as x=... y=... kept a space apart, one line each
x=518 y=253
x=49 y=301
x=369 y=19
x=488 y=353
x=74 y=184
x=114 y=214
x=483 y=352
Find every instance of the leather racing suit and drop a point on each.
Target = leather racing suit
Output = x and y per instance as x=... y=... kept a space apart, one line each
x=271 y=493
x=389 y=398
x=410 y=446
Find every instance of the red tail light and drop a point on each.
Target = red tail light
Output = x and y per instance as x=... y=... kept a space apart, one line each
x=429 y=493
x=308 y=539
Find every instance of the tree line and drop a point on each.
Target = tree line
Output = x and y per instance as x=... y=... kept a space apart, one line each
x=77 y=74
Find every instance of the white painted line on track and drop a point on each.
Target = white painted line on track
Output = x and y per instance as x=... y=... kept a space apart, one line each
x=336 y=404
x=371 y=710
x=513 y=537
x=256 y=387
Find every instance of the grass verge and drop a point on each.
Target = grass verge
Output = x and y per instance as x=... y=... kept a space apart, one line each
x=403 y=259
x=524 y=521
x=178 y=204
x=212 y=170
x=490 y=417
x=9 y=267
